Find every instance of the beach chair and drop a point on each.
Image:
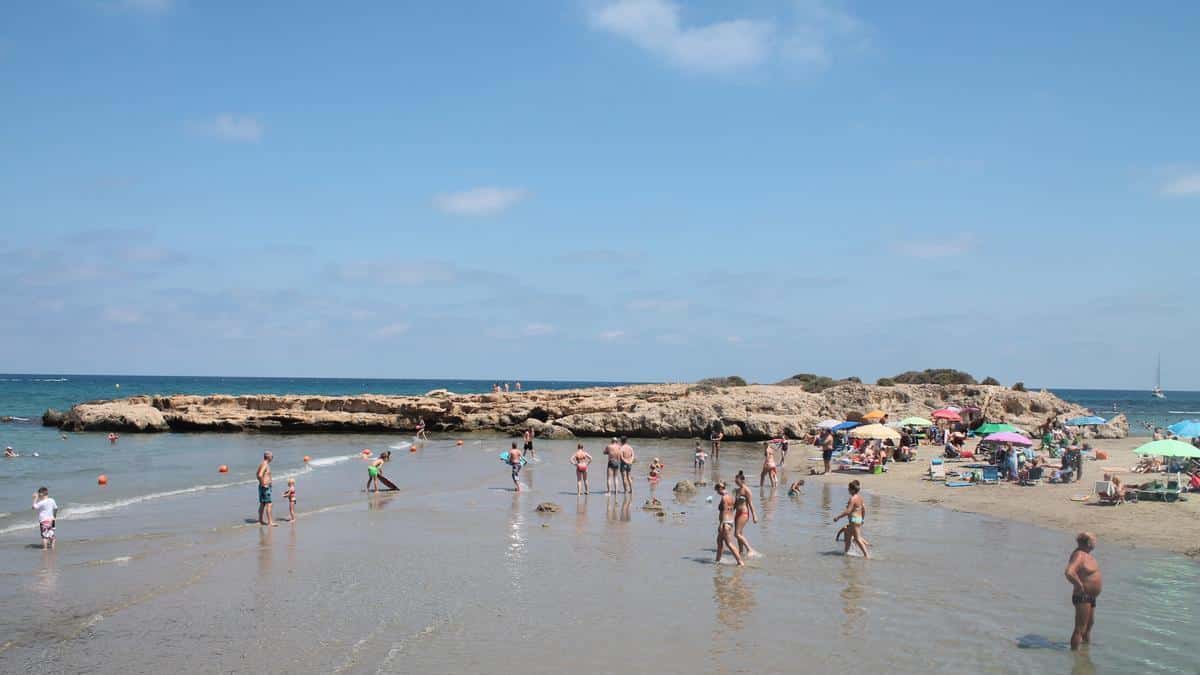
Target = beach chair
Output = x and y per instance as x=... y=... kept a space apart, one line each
x=937 y=470
x=1107 y=493
x=1035 y=476
x=991 y=475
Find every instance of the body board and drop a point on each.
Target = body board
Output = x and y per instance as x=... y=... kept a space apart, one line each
x=390 y=485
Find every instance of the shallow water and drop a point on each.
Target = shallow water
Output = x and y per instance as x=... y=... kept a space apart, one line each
x=456 y=573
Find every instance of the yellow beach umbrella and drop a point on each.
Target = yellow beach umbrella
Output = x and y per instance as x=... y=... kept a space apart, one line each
x=875 y=415
x=875 y=432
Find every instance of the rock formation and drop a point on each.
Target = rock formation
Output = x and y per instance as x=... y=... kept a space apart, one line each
x=756 y=412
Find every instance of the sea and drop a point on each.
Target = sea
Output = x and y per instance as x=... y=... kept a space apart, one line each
x=165 y=570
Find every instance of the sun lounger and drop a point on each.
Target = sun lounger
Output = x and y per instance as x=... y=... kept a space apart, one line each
x=937 y=470
x=1160 y=491
x=1107 y=493
x=991 y=475
x=1035 y=476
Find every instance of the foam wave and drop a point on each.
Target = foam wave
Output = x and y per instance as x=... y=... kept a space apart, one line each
x=330 y=461
x=50 y=379
x=402 y=445
x=17 y=528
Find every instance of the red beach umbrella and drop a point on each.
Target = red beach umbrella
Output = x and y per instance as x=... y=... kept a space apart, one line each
x=946 y=414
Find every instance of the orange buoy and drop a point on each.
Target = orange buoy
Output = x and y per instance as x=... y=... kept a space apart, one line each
x=102 y=480
x=306 y=458
x=366 y=452
x=222 y=469
x=412 y=448
x=1100 y=454
x=458 y=442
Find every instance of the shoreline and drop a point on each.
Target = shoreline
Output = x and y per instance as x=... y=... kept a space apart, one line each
x=1173 y=527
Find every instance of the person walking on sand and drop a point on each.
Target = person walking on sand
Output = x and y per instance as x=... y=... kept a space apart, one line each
x=1083 y=573
x=264 y=490
x=613 y=452
x=627 y=459
x=529 y=442
x=514 y=461
x=825 y=441
x=856 y=512
x=716 y=437
x=581 y=459
x=743 y=504
x=47 y=515
x=725 y=520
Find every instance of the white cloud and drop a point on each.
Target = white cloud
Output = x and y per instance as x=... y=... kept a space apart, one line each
x=232 y=128
x=1183 y=186
x=612 y=335
x=122 y=315
x=937 y=248
x=537 y=329
x=146 y=6
x=391 y=330
x=733 y=45
x=482 y=201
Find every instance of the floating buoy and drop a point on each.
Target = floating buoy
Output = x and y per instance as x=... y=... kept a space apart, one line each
x=222 y=469
x=306 y=458
x=102 y=480
x=366 y=452
x=458 y=442
x=1100 y=454
x=412 y=448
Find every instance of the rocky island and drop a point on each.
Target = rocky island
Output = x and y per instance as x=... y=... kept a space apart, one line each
x=749 y=413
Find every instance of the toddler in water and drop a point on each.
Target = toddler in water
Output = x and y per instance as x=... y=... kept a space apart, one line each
x=656 y=468
x=47 y=514
x=290 y=495
x=700 y=457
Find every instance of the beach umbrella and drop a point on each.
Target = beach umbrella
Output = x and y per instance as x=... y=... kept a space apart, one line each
x=995 y=428
x=1186 y=428
x=1168 y=448
x=845 y=425
x=915 y=422
x=947 y=414
x=875 y=415
x=875 y=432
x=828 y=424
x=854 y=417
x=1008 y=437
x=1086 y=421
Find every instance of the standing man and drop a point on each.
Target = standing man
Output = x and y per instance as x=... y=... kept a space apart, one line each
x=1083 y=573
x=264 y=490
x=529 y=441
x=716 y=436
x=613 y=452
x=47 y=515
x=825 y=440
x=627 y=460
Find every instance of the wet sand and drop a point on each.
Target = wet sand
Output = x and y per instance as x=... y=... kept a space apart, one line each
x=1169 y=526
x=456 y=573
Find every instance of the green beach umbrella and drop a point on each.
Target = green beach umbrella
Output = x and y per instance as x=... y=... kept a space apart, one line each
x=1168 y=448
x=995 y=428
x=915 y=422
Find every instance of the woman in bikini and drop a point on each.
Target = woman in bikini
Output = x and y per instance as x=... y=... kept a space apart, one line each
x=768 y=468
x=581 y=459
x=856 y=512
x=743 y=505
x=725 y=524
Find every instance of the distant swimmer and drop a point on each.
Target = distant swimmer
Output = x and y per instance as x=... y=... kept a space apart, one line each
x=9 y=452
x=613 y=452
x=856 y=512
x=768 y=468
x=581 y=459
x=725 y=519
x=263 y=475
x=1083 y=573
x=112 y=438
x=375 y=470
x=627 y=460
x=743 y=505
x=514 y=462
x=518 y=386
x=47 y=515
x=528 y=437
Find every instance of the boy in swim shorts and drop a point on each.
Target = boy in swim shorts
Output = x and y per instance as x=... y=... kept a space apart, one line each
x=47 y=515
x=514 y=461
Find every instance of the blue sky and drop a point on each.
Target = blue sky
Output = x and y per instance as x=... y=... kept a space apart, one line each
x=617 y=189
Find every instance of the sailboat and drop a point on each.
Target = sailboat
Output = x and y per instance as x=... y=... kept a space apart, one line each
x=1157 y=392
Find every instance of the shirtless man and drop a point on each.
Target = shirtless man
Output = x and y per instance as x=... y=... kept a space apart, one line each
x=581 y=459
x=514 y=461
x=716 y=438
x=529 y=442
x=627 y=459
x=1083 y=572
x=725 y=525
x=613 y=451
x=825 y=440
x=856 y=512
x=264 y=489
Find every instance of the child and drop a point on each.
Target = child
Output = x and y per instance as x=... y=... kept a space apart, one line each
x=794 y=488
x=47 y=514
x=290 y=495
x=698 y=462
x=656 y=467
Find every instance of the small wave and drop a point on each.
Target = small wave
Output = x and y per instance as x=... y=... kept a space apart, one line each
x=50 y=379
x=330 y=461
x=83 y=511
x=402 y=445
x=17 y=528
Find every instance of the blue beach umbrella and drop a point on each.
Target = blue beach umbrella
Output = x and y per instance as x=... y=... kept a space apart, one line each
x=1186 y=428
x=1087 y=421
x=847 y=425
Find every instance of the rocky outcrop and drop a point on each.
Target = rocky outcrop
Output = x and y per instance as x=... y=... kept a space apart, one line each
x=756 y=412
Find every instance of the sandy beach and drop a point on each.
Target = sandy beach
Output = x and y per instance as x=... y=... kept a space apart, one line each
x=1168 y=526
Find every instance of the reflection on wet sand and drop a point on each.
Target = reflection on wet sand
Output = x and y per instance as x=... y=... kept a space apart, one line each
x=581 y=514
x=733 y=597
x=45 y=584
x=854 y=623
x=264 y=552
x=514 y=554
